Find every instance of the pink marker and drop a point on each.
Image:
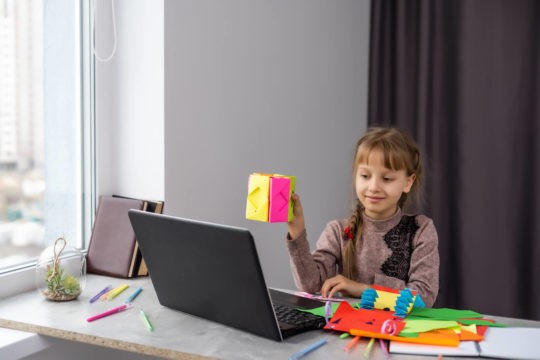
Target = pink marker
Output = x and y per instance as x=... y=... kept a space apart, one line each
x=109 y=312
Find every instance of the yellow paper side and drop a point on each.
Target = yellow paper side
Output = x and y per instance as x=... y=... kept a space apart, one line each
x=385 y=300
x=257 y=198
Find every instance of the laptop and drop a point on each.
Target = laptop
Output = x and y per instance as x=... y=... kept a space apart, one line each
x=213 y=271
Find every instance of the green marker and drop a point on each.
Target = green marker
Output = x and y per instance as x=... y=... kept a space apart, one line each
x=146 y=321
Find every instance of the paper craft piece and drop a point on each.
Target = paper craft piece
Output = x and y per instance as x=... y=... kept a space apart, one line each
x=383 y=325
x=399 y=301
x=269 y=197
x=346 y=318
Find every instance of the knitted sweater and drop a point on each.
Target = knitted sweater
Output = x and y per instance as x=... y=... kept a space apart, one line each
x=398 y=252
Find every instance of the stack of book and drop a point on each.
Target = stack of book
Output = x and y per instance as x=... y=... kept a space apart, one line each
x=113 y=248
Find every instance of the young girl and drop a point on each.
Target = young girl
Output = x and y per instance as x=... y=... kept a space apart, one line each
x=379 y=243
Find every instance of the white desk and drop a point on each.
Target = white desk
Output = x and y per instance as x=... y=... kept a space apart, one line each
x=176 y=336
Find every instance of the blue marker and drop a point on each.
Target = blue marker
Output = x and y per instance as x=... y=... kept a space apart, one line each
x=134 y=295
x=298 y=355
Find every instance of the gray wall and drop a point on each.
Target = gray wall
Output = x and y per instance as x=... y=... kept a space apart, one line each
x=270 y=86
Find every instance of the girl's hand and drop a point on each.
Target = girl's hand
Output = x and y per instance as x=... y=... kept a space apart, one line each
x=297 y=225
x=345 y=285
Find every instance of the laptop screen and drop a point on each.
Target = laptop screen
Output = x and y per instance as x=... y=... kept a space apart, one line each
x=208 y=270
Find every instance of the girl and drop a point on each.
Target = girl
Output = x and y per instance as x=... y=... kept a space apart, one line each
x=379 y=243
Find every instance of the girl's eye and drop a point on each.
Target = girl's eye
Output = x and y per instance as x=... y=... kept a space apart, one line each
x=363 y=176
x=387 y=179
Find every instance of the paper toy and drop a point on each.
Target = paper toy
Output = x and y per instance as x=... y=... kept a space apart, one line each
x=399 y=301
x=269 y=197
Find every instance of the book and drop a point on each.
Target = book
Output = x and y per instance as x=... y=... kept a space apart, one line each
x=138 y=265
x=136 y=256
x=157 y=208
x=501 y=343
x=112 y=243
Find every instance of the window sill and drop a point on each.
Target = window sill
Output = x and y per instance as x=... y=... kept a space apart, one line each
x=17 y=281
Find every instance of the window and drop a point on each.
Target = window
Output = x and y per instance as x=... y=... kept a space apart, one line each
x=46 y=136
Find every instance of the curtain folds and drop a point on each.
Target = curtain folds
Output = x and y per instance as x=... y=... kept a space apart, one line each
x=463 y=78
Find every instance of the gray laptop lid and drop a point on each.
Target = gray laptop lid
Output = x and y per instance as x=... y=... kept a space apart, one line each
x=207 y=270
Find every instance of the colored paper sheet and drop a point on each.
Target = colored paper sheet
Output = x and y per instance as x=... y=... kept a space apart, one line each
x=319 y=311
x=420 y=326
x=257 y=198
x=483 y=322
x=466 y=335
x=442 y=337
x=442 y=313
x=280 y=195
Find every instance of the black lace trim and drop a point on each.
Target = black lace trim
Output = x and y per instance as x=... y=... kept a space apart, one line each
x=399 y=240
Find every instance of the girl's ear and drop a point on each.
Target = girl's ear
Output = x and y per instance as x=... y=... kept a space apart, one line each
x=409 y=184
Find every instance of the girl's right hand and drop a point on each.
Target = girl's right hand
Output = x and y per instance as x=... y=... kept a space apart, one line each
x=297 y=225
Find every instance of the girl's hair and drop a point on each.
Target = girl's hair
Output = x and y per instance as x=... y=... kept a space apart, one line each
x=400 y=152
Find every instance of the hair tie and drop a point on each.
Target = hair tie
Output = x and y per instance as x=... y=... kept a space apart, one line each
x=347 y=232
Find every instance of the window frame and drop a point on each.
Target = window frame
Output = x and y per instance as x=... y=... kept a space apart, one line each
x=21 y=277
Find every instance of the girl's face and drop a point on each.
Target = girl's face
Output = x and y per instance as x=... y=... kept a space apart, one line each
x=379 y=188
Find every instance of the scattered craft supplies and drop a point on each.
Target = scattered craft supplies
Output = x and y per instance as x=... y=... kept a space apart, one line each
x=420 y=325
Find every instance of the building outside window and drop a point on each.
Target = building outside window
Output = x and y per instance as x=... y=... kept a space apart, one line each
x=45 y=129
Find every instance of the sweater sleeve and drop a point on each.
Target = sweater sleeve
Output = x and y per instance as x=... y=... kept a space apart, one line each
x=310 y=270
x=424 y=269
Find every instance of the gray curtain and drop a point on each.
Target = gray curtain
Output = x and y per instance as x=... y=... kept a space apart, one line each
x=463 y=77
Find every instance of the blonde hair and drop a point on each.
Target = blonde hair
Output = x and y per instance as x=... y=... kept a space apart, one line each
x=400 y=152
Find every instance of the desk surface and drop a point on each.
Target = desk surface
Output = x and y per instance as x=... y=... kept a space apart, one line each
x=177 y=335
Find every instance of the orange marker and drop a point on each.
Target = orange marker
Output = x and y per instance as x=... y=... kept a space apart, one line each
x=351 y=343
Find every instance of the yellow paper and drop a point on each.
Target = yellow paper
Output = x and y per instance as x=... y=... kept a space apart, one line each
x=257 y=199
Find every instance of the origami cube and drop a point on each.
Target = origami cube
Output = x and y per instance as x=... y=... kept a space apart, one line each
x=269 y=197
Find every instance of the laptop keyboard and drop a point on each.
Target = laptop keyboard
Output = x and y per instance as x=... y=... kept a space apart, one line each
x=298 y=319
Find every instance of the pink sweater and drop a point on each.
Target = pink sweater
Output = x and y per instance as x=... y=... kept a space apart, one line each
x=398 y=252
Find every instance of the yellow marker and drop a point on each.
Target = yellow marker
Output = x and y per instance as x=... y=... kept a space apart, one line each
x=104 y=296
x=368 y=348
x=117 y=291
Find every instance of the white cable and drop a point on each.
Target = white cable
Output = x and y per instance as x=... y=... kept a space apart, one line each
x=94 y=32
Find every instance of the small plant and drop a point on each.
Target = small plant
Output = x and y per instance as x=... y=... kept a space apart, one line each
x=61 y=286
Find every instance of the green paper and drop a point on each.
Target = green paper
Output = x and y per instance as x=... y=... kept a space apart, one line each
x=319 y=311
x=419 y=326
x=408 y=335
x=481 y=322
x=442 y=314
